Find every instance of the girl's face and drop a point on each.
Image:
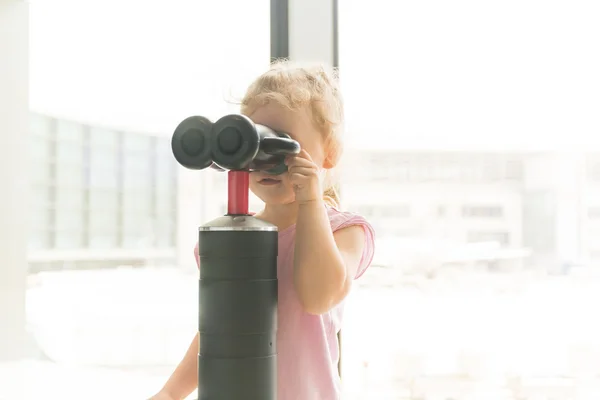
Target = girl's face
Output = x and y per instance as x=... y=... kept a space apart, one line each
x=298 y=124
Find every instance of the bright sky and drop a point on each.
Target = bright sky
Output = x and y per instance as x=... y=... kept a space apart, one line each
x=462 y=74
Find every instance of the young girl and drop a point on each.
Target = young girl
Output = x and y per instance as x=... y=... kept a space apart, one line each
x=321 y=249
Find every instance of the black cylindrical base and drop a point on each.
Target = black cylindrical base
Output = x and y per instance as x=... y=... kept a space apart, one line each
x=248 y=378
x=238 y=310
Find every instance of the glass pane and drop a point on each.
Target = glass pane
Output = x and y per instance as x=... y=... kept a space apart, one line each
x=103 y=139
x=106 y=177
x=39 y=239
x=39 y=148
x=39 y=173
x=165 y=237
x=163 y=149
x=103 y=241
x=165 y=223
x=165 y=202
x=70 y=198
x=166 y=174
x=107 y=200
x=39 y=196
x=69 y=153
x=137 y=173
x=41 y=125
x=68 y=218
x=539 y=220
x=103 y=157
x=69 y=132
x=135 y=143
x=69 y=175
x=138 y=202
x=69 y=240
x=139 y=230
x=39 y=218
x=137 y=222
x=103 y=221
x=135 y=240
x=473 y=211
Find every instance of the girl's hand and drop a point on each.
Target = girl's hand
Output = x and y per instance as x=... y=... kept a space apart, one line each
x=304 y=176
x=162 y=396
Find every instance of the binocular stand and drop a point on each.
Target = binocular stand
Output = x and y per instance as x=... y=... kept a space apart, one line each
x=237 y=323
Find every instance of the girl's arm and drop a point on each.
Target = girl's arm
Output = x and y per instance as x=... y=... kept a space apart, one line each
x=325 y=263
x=184 y=379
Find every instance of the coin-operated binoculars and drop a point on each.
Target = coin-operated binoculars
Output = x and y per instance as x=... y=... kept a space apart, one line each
x=238 y=257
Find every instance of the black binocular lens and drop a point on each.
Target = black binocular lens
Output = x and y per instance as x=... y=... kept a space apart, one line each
x=234 y=142
x=229 y=141
x=191 y=143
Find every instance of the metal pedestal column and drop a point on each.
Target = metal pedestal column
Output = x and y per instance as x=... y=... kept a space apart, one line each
x=238 y=303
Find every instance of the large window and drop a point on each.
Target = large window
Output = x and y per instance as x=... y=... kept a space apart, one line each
x=478 y=115
x=458 y=113
x=137 y=190
x=69 y=176
x=165 y=202
x=41 y=153
x=96 y=188
x=113 y=218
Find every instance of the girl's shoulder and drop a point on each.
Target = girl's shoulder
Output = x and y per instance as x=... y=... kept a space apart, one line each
x=342 y=219
x=345 y=219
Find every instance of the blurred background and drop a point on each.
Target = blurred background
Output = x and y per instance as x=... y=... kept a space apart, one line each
x=473 y=147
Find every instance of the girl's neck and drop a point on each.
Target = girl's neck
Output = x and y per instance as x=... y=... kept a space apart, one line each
x=281 y=215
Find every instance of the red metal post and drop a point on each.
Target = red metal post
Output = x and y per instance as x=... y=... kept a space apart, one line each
x=238 y=186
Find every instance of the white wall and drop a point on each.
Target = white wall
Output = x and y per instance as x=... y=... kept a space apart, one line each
x=14 y=124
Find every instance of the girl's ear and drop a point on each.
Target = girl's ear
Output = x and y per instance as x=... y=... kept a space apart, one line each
x=331 y=159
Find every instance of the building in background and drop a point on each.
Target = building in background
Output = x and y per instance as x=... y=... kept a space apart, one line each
x=99 y=197
x=590 y=236
x=104 y=197
x=459 y=197
x=545 y=204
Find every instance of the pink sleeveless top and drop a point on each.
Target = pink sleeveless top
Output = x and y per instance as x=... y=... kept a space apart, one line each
x=307 y=345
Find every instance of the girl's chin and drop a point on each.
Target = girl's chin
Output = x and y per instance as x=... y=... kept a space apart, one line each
x=267 y=195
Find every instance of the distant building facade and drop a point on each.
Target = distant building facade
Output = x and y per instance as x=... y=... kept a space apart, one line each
x=99 y=196
x=548 y=203
x=105 y=197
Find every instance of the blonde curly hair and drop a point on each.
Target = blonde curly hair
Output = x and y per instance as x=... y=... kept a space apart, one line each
x=295 y=86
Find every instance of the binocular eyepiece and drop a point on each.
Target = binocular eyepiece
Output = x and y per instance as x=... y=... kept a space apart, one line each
x=234 y=142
